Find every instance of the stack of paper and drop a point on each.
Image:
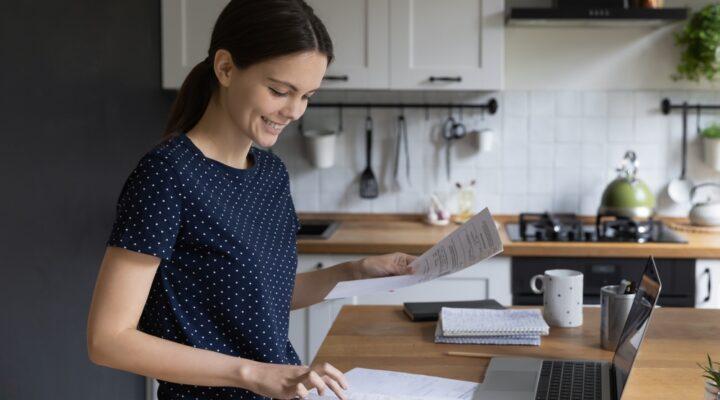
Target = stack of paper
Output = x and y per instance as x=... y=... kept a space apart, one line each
x=373 y=384
x=483 y=326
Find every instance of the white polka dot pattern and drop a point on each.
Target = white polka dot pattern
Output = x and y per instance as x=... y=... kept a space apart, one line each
x=226 y=239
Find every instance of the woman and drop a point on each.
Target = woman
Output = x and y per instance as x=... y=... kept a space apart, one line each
x=199 y=276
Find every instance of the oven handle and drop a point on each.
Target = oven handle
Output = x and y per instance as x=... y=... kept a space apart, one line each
x=709 y=285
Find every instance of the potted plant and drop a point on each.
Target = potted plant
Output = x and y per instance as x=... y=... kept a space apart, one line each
x=701 y=40
x=711 y=145
x=712 y=374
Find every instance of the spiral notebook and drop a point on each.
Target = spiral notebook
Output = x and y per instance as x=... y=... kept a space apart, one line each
x=483 y=326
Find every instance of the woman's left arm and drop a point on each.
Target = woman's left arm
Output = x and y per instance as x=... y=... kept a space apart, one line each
x=312 y=287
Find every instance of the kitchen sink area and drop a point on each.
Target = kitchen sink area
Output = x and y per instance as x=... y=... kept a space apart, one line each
x=317 y=229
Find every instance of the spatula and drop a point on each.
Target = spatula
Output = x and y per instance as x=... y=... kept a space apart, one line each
x=368 y=183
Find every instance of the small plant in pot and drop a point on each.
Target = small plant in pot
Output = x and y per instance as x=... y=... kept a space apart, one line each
x=711 y=145
x=701 y=41
x=712 y=374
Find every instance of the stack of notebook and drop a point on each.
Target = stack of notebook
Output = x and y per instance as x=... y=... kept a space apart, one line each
x=482 y=326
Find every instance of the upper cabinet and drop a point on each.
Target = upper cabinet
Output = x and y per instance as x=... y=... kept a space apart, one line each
x=186 y=29
x=451 y=44
x=379 y=44
x=359 y=31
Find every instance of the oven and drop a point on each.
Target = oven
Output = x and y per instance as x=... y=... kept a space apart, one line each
x=678 y=277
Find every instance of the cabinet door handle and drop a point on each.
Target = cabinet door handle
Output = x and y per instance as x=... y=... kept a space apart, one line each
x=709 y=285
x=343 y=78
x=319 y=266
x=445 y=78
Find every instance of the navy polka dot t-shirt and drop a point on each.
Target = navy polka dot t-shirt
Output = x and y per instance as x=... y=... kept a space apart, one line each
x=227 y=244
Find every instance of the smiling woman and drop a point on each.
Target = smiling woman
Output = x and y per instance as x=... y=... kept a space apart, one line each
x=199 y=274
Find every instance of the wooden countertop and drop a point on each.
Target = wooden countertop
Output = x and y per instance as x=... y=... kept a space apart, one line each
x=386 y=233
x=382 y=337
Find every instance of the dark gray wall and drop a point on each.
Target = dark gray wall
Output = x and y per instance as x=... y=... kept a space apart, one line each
x=80 y=101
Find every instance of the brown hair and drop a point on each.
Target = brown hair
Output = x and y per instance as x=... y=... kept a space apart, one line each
x=252 y=31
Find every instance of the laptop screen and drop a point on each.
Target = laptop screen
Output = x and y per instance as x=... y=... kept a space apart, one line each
x=636 y=324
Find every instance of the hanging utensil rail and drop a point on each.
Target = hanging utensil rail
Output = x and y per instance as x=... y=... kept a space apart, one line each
x=491 y=105
x=666 y=106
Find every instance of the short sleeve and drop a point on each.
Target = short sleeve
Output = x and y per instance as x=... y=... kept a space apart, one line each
x=288 y=193
x=148 y=210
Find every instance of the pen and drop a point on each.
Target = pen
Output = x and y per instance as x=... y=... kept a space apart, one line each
x=467 y=354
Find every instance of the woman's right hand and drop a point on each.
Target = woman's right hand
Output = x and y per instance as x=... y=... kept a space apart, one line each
x=291 y=381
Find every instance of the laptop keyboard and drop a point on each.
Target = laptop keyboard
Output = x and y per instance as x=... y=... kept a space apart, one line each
x=569 y=380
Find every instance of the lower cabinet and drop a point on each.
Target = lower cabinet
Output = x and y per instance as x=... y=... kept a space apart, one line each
x=707 y=283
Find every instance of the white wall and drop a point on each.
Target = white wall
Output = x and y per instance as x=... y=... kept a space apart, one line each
x=576 y=99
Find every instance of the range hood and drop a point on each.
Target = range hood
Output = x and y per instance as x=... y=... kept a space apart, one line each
x=595 y=16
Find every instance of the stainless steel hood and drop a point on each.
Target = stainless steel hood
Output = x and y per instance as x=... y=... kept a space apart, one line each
x=595 y=16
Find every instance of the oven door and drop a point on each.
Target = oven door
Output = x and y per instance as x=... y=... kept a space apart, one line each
x=677 y=275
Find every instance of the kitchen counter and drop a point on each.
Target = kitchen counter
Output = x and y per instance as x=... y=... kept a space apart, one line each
x=387 y=233
x=382 y=337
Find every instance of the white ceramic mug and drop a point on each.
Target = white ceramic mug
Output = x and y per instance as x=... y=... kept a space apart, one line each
x=320 y=147
x=562 y=297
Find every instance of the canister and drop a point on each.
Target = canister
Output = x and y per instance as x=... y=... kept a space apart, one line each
x=614 y=310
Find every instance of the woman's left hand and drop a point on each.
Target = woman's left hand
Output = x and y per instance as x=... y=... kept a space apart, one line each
x=384 y=265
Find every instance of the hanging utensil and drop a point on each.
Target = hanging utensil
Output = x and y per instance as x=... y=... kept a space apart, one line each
x=679 y=189
x=401 y=142
x=368 y=183
x=451 y=130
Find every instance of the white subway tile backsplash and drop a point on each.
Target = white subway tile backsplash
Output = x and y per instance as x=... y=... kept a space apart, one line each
x=594 y=130
x=621 y=104
x=569 y=104
x=542 y=104
x=542 y=155
x=593 y=155
x=567 y=155
x=595 y=104
x=567 y=180
x=541 y=129
x=620 y=130
x=569 y=129
x=541 y=181
x=553 y=150
x=515 y=130
x=515 y=156
x=514 y=181
x=539 y=203
x=515 y=103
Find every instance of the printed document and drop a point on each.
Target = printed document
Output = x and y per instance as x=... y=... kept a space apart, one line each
x=372 y=384
x=474 y=241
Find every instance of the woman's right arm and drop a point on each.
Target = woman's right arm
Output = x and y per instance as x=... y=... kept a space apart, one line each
x=114 y=341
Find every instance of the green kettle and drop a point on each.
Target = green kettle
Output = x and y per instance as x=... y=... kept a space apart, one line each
x=627 y=196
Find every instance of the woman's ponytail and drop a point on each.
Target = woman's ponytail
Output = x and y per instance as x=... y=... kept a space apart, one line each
x=192 y=99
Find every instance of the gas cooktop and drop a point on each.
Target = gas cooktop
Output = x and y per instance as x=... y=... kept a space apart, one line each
x=549 y=227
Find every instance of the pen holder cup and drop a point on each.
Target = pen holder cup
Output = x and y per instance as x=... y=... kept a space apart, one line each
x=614 y=310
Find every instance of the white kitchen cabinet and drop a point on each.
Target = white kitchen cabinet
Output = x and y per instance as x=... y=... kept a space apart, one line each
x=186 y=29
x=707 y=283
x=359 y=31
x=379 y=44
x=447 y=45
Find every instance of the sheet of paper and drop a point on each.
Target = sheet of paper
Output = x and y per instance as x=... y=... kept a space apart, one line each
x=474 y=241
x=372 y=384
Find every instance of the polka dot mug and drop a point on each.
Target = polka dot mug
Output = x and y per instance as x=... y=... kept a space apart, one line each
x=562 y=291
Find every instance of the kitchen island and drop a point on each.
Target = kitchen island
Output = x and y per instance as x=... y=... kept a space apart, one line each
x=382 y=337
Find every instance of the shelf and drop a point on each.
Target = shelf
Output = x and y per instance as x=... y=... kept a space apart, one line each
x=595 y=17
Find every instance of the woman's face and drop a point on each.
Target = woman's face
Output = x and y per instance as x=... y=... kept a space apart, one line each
x=264 y=98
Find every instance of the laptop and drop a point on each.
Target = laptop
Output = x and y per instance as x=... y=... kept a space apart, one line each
x=536 y=379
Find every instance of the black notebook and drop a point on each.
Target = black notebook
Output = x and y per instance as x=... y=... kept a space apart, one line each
x=429 y=311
